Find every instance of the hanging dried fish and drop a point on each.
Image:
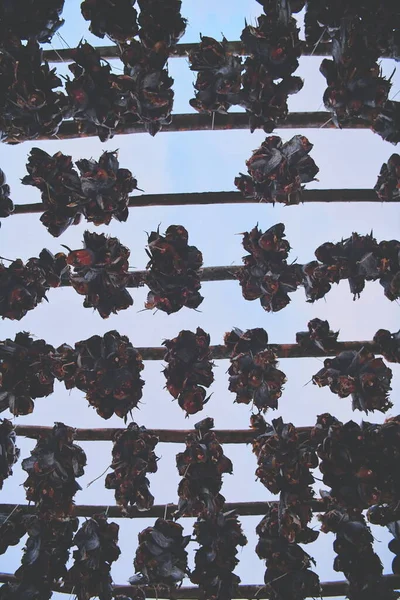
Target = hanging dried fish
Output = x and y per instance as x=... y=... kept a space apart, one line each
x=319 y=335
x=106 y=188
x=388 y=515
x=387 y=122
x=265 y=100
x=355 y=555
x=359 y=259
x=359 y=374
x=285 y=461
x=161 y=23
x=356 y=88
x=107 y=368
x=266 y=275
x=253 y=375
x=388 y=344
x=133 y=457
x=52 y=468
x=219 y=536
x=13 y=527
x=359 y=463
x=24 y=286
x=25 y=373
x=44 y=560
x=201 y=467
x=101 y=273
x=173 y=271
x=114 y=18
x=275 y=41
x=94 y=93
x=6 y=204
x=60 y=188
x=277 y=170
x=388 y=185
x=97 y=542
x=288 y=573
x=30 y=20
x=161 y=557
x=9 y=453
x=219 y=76
x=189 y=370
x=146 y=87
x=29 y=106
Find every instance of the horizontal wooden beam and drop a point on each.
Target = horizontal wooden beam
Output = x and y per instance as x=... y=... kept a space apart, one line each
x=281 y=350
x=198 y=122
x=204 y=198
x=330 y=589
x=243 y=509
x=173 y=436
x=181 y=51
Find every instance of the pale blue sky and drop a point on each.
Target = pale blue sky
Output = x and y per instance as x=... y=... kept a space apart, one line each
x=195 y=162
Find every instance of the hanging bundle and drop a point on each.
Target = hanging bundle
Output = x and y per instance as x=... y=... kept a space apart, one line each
x=25 y=373
x=277 y=171
x=29 y=106
x=201 y=467
x=253 y=375
x=319 y=335
x=288 y=573
x=97 y=542
x=161 y=557
x=173 y=271
x=30 y=19
x=266 y=274
x=115 y=19
x=9 y=453
x=107 y=368
x=388 y=344
x=218 y=76
x=219 y=536
x=44 y=560
x=189 y=369
x=388 y=185
x=24 y=286
x=359 y=374
x=101 y=273
x=133 y=457
x=52 y=468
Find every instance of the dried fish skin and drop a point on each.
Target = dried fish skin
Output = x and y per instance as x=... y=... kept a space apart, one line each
x=133 y=457
x=53 y=466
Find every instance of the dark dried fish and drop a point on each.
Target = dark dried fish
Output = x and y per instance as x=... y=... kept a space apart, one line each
x=6 y=204
x=277 y=170
x=114 y=18
x=388 y=185
x=173 y=271
x=97 y=542
x=52 y=468
x=30 y=19
x=101 y=273
x=319 y=335
x=9 y=453
x=133 y=457
x=253 y=375
x=189 y=369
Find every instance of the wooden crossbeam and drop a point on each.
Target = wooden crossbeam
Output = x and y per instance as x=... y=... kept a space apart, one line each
x=221 y=352
x=243 y=509
x=181 y=51
x=204 y=198
x=330 y=589
x=198 y=122
x=173 y=436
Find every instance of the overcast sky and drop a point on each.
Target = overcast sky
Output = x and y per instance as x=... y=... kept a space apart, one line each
x=200 y=162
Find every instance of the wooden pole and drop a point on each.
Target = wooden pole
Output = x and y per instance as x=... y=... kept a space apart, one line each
x=221 y=352
x=182 y=50
x=330 y=589
x=197 y=122
x=204 y=198
x=173 y=436
x=243 y=509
